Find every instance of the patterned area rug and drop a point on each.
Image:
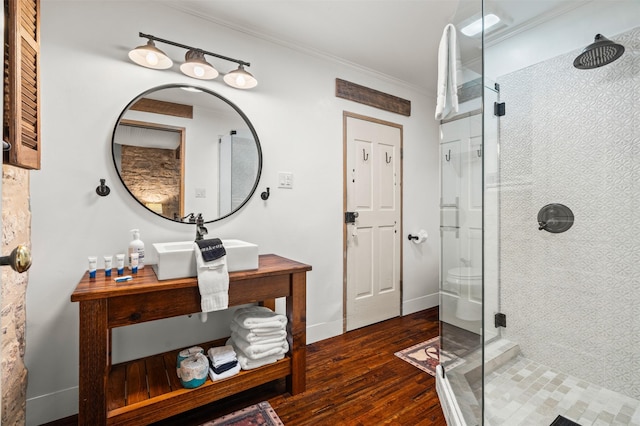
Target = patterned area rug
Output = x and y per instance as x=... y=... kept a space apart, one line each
x=260 y=414
x=427 y=355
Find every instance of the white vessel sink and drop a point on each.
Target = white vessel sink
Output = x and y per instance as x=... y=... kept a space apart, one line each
x=178 y=260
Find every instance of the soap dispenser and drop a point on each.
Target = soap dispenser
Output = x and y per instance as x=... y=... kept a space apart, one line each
x=137 y=246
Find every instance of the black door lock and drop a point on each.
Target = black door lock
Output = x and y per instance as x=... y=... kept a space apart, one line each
x=350 y=217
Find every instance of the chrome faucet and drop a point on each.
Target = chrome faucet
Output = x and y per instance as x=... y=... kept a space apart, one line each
x=201 y=230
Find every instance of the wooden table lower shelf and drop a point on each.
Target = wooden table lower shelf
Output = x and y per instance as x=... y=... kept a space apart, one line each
x=146 y=390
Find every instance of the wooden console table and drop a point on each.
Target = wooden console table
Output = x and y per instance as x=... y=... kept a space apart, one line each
x=147 y=390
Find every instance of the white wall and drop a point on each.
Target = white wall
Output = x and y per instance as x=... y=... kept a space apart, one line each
x=87 y=80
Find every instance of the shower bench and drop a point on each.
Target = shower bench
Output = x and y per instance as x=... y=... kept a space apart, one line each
x=147 y=390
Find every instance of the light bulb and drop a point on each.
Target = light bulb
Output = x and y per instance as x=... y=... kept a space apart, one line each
x=240 y=81
x=198 y=71
x=152 y=58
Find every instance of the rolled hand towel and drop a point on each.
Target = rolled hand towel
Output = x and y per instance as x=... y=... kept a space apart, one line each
x=258 y=351
x=232 y=372
x=221 y=355
x=251 y=336
x=259 y=341
x=247 y=364
x=259 y=316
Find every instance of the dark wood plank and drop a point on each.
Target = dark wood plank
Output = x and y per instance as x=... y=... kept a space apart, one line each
x=145 y=281
x=157 y=377
x=163 y=107
x=182 y=400
x=136 y=382
x=137 y=308
x=297 y=332
x=116 y=387
x=93 y=362
x=170 y=362
x=365 y=95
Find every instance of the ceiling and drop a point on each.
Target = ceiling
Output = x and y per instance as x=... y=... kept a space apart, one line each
x=396 y=38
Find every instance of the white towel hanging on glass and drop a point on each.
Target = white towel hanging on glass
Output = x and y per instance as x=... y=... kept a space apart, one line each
x=448 y=69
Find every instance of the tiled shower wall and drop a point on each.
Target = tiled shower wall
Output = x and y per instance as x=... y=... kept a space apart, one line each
x=572 y=136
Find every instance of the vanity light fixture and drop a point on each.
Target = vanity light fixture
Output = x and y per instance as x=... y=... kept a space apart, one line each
x=195 y=64
x=150 y=56
x=197 y=67
x=240 y=79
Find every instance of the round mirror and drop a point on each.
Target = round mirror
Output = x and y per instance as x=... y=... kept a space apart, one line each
x=182 y=150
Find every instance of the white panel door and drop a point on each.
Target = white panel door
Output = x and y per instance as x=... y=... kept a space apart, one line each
x=373 y=249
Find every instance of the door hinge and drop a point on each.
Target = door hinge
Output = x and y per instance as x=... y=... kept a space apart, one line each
x=500 y=320
x=401 y=153
x=499 y=109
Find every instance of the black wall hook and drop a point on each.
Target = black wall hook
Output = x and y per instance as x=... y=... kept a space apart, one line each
x=103 y=190
x=265 y=194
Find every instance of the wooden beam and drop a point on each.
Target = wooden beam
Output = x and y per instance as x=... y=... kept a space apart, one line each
x=163 y=107
x=364 y=95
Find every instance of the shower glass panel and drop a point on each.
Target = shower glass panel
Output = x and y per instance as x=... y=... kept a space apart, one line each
x=461 y=218
x=569 y=135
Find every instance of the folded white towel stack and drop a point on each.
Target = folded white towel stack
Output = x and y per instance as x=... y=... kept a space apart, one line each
x=224 y=362
x=259 y=317
x=221 y=355
x=259 y=336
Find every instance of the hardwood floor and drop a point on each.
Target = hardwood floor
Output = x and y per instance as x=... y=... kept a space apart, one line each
x=352 y=379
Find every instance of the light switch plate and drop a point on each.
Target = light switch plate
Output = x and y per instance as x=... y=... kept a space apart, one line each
x=285 y=180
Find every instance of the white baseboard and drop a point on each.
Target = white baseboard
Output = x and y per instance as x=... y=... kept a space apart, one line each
x=420 y=304
x=52 y=406
x=323 y=331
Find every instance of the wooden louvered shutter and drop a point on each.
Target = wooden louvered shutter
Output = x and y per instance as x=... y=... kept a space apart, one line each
x=21 y=125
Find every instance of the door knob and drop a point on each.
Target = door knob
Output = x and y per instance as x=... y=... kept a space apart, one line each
x=19 y=259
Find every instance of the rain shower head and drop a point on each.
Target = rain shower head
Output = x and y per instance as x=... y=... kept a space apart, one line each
x=601 y=52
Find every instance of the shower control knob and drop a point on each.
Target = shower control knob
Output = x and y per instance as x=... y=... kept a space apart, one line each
x=555 y=218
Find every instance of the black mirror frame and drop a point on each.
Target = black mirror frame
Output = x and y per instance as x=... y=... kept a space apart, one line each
x=222 y=98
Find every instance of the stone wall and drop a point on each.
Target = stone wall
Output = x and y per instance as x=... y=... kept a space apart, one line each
x=153 y=175
x=16 y=229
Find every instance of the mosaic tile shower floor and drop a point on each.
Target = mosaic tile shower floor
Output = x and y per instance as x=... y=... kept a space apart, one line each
x=524 y=392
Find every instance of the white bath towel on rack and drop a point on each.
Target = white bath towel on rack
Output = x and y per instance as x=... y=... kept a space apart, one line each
x=448 y=69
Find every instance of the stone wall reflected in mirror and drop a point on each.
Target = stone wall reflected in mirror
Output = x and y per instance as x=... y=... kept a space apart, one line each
x=216 y=152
